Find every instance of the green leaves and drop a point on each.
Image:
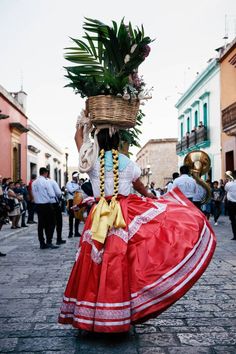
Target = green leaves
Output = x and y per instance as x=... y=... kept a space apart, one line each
x=131 y=136
x=100 y=57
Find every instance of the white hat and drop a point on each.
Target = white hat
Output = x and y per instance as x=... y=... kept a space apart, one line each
x=75 y=174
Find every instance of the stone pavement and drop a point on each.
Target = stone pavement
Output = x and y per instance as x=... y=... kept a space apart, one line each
x=32 y=283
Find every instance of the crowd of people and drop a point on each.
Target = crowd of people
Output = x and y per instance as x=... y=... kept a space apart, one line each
x=42 y=196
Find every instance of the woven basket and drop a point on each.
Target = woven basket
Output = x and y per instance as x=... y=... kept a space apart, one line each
x=113 y=110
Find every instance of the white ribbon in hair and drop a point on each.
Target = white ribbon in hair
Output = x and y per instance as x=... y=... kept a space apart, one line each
x=89 y=150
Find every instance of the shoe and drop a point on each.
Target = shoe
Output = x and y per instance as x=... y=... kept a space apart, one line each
x=60 y=242
x=18 y=227
x=50 y=245
x=70 y=235
x=234 y=238
x=77 y=235
x=216 y=223
x=24 y=225
x=43 y=246
x=2 y=254
x=30 y=222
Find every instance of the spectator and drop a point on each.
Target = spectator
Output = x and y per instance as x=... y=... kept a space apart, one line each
x=57 y=210
x=170 y=183
x=30 y=203
x=22 y=192
x=216 y=197
x=72 y=187
x=3 y=212
x=199 y=196
x=185 y=183
x=230 y=189
x=43 y=195
x=207 y=207
x=15 y=199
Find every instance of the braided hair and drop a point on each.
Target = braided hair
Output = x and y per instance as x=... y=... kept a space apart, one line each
x=106 y=143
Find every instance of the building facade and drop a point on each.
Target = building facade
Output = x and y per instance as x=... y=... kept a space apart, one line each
x=43 y=152
x=13 y=135
x=199 y=119
x=228 y=106
x=157 y=160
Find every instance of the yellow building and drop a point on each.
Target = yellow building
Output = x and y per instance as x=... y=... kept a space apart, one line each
x=228 y=106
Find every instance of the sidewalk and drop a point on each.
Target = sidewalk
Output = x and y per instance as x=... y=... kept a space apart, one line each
x=7 y=232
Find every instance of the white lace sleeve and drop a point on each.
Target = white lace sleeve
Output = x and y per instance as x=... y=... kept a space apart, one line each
x=136 y=173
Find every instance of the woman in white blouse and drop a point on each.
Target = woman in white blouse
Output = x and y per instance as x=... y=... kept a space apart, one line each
x=137 y=255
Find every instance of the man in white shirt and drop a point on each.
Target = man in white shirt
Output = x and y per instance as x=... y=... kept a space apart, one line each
x=199 y=196
x=185 y=183
x=230 y=189
x=72 y=187
x=170 y=184
x=57 y=210
x=43 y=194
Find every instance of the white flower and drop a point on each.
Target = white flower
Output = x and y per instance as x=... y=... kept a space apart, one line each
x=127 y=58
x=141 y=95
x=134 y=46
x=126 y=96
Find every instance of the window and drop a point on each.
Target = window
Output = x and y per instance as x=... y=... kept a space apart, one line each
x=181 y=130
x=205 y=114
x=188 y=125
x=196 y=119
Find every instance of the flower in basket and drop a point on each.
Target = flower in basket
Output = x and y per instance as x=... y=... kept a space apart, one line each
x=107 y=60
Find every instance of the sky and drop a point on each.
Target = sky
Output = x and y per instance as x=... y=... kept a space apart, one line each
x=34 y=33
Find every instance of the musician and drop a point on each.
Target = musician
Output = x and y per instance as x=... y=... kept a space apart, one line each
x=230 y=189
x=185 y=183
x=72 y=187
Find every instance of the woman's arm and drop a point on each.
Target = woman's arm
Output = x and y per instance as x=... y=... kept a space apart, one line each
x=79 y=137
x=139 y=187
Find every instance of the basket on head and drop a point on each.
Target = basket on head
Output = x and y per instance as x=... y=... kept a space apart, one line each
x=113 y=110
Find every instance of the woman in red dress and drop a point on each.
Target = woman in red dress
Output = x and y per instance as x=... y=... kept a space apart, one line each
x=137 y=255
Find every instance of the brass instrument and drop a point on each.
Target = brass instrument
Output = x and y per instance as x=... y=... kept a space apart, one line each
x=229 y=175
x=199 y=164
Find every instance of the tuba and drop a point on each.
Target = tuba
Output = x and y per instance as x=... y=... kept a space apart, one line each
x=199 y=164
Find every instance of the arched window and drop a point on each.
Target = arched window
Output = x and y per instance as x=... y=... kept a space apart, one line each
x=205 y=114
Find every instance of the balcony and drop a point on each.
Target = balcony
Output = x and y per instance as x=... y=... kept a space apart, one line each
x=197 y=139
x=229 y=119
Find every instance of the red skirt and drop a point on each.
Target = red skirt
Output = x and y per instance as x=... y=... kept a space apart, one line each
x=140 y=271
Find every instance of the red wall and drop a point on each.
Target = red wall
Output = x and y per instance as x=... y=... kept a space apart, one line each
x=5 y=139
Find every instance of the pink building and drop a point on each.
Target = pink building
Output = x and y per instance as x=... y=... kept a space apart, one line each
x=13 y=137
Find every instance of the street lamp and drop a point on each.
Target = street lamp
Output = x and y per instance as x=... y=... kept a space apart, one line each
x=149 y=173
x=66 y=155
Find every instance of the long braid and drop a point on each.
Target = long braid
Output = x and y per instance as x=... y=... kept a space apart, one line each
x=115 y=171
x=102 y=173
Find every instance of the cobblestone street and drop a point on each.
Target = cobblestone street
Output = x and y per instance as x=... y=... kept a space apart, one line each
x=33 y=281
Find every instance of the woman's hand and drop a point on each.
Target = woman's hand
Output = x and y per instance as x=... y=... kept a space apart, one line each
x=139 y=187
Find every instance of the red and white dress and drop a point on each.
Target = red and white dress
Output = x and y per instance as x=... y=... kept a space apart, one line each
x=141 y=270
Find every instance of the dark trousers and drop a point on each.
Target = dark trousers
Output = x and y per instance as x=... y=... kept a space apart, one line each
x=232 y=216
x=198 y=205
x=71 y=220
x=58 y=219
x=216 y=210
x=31 y=210
x=24 y=204
x=46 y=222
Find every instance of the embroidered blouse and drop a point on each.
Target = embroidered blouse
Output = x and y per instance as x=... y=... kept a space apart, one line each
x=129 y=172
